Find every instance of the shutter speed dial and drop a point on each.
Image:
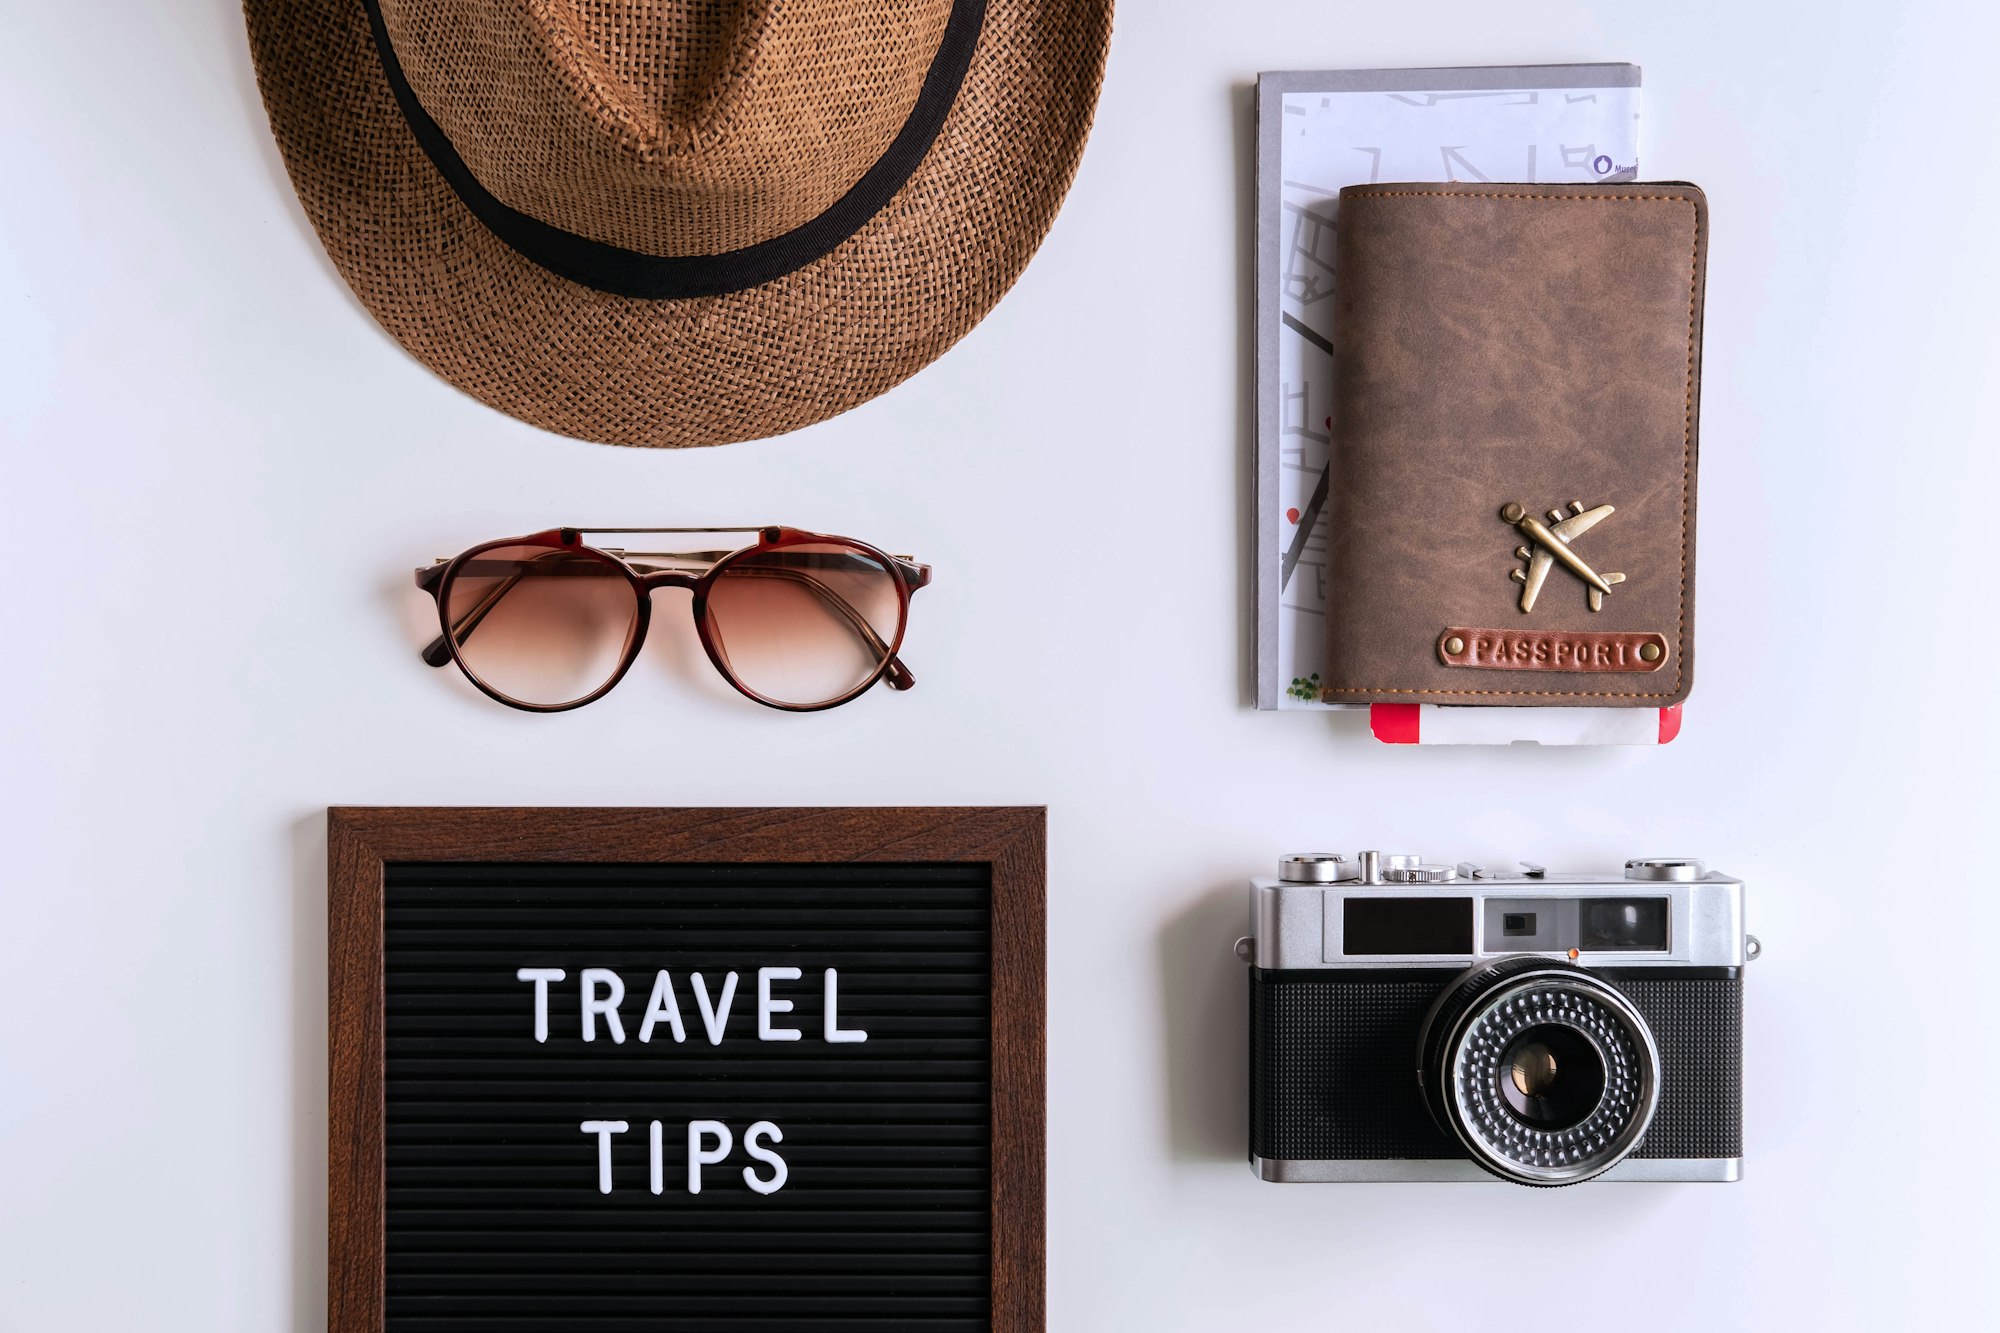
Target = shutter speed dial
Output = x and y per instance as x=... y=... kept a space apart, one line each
x=1317 y=868
x=1402 y=868
x=1419 y=874
x=1673 y=869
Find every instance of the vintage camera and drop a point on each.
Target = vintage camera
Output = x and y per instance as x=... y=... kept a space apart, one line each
x=1412 y=1021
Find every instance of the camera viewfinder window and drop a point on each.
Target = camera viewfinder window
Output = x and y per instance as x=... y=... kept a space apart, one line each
x=1624 y=924
x=1407 y=926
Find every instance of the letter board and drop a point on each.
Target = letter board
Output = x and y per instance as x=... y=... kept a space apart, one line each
x=761 y=1070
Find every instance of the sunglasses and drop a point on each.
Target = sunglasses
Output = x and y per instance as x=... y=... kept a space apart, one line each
x=799 y=621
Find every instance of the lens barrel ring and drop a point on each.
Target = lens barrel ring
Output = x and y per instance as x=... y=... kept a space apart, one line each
x=1482 y=1063
x=1463 y=1056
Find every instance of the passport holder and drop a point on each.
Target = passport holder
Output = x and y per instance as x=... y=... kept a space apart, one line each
x=1512 y=500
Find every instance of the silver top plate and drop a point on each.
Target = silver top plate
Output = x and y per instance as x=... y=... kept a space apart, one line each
x=1301 y=925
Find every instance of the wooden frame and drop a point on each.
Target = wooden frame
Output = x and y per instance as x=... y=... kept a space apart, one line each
x=361 y=841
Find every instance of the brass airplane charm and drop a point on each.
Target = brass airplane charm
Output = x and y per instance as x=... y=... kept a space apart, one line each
x=1550 y=543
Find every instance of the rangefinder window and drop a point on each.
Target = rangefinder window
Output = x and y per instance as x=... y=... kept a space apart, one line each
x=1406 y=926
x=1624 y=924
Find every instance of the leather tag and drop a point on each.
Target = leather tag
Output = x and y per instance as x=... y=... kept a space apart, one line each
x=1551 y=650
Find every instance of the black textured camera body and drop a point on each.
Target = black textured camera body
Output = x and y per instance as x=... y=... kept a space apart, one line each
x=1333 y=1067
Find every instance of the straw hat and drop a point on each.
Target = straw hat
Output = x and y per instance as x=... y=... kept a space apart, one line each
x=670 y=222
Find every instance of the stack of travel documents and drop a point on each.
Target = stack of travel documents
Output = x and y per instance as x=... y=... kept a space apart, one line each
x=1318 y=132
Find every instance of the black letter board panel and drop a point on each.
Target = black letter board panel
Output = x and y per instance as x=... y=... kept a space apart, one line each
x=495 y=1216
x=694 y=1095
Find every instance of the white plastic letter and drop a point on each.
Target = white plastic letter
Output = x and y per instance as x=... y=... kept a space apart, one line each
x=697 y=1159
x=659 y=1159
x=662 y=1008
x=608 y=1006
x=541 y=976
x=766 y=1006
x=765 y=1155
x=834 y=1031
x=604 y=1129
x=714 y=1017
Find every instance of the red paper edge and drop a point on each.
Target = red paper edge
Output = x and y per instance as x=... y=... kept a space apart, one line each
x=1398 y=724
x=1402 y=724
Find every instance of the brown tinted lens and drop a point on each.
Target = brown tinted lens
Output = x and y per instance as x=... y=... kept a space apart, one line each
x=804 y=624
x=538 y=625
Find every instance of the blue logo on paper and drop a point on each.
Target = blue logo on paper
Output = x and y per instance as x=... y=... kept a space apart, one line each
x=1600 y=164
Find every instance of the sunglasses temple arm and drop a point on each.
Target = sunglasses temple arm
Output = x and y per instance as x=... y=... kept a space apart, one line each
x=896 y=674
x=438 y=651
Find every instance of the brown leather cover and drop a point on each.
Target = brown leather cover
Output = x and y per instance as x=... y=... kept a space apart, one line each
x=1512 y=344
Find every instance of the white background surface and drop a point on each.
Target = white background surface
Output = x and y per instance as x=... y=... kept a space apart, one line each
x=219 y=473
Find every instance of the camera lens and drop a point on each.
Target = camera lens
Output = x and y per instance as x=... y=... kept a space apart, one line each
x=1552 y=1077
x=1544 y=1073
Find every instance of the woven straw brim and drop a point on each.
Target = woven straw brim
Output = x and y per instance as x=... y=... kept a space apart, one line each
x=708 y=370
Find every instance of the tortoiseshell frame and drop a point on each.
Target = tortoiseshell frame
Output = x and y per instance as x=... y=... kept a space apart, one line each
x=908 y=575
